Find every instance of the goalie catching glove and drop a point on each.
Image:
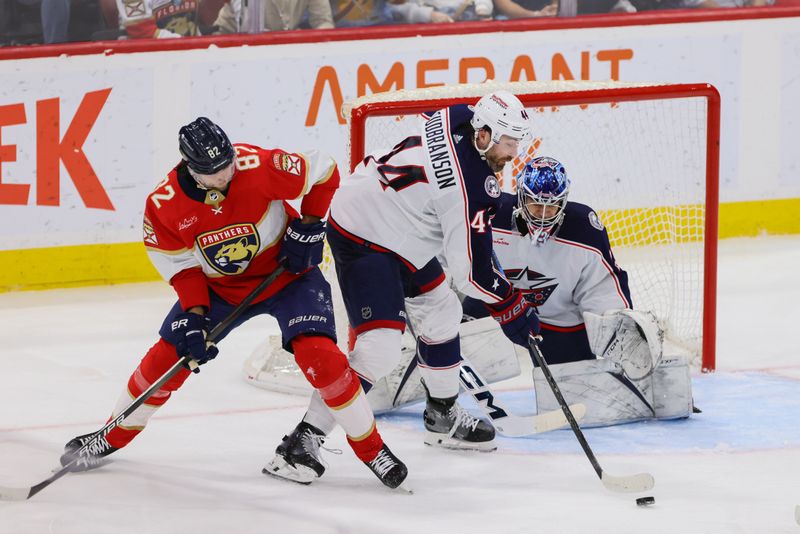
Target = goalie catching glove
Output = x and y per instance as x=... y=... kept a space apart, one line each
x=517 y=318
x=302 y=245
x=191 y=330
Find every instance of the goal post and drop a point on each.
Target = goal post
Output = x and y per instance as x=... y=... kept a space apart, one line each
x=644 y=155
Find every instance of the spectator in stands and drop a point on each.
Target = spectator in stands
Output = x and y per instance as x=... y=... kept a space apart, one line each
x=359 y=13
x=276 y=15
x=145 y=19
x=650 y=5
x=55 y=19
x=520 y=9
x=419 y=11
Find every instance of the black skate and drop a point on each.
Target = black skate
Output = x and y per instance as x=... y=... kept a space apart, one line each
x=386 y=466
x=298 y=456
x=93 y=457
x=448 y=425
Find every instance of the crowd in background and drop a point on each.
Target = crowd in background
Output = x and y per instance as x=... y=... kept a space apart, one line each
x=57 y=21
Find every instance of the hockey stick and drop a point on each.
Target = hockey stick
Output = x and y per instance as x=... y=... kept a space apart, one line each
x=21 y=494
x=505 y=422
x=627 y=484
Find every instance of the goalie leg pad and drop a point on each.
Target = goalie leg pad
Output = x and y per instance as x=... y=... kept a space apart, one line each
x=672 y=388
x=610 y=397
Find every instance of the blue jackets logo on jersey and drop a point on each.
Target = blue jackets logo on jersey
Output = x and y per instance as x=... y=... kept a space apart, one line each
x=492 y=186
x=230 y=249
x=539 y=288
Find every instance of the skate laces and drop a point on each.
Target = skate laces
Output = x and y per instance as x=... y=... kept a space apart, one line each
x=461 y=418
x=382 y=463
x=312 y=443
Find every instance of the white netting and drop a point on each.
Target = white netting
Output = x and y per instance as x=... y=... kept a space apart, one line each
x=638 y=158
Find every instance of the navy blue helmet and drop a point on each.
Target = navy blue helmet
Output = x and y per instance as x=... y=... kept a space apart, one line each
x=204 y=146
x=541 y=184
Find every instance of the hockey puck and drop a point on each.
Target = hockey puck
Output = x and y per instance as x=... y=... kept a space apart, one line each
x=645 y=501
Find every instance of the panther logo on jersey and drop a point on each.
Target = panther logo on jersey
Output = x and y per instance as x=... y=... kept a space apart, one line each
x=231 y=249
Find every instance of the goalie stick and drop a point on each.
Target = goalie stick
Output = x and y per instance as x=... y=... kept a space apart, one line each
x=21 y=494
x=628 y=484
x=505 y=422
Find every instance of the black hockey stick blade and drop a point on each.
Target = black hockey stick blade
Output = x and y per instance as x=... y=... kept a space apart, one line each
x=21 y=494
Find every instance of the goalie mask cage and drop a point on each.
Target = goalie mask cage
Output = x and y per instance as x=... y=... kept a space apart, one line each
x=644 y=156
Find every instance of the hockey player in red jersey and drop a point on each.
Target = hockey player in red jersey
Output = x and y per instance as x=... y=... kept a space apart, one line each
x=432 y=194
x=214 y=228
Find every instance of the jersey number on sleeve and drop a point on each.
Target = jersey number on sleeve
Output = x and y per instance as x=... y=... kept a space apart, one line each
x=398 y=178
x=478 y=222
x=401 y=176
x=157 y=197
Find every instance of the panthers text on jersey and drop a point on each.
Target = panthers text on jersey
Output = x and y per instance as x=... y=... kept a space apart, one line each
x=431 y=195
x=228 y=242
x=572 y=272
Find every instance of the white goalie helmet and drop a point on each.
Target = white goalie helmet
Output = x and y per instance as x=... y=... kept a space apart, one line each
x=504 y=114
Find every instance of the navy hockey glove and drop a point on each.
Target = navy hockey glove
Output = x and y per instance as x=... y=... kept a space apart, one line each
x=302 y=246
x=517 y=318
x=191 y=330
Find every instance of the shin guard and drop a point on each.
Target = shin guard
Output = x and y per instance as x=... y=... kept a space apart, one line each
x=155 y=363
x=326 y=368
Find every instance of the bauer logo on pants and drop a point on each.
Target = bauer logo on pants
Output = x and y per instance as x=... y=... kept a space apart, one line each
x=230 y=250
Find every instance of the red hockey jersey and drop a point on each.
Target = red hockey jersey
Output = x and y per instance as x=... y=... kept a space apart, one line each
x=228 y=242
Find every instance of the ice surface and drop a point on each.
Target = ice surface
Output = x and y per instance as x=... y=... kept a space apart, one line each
x=66 y=354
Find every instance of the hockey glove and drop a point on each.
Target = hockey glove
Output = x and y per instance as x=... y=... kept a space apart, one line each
x=302 y=246
x=191 y=331
x=517 y=318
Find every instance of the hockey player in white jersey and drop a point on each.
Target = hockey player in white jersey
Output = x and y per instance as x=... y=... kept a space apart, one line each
x=432 y=194
x=604 y=353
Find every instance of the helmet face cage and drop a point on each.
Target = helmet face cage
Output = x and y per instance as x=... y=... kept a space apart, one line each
x=205 y=147
x=503 y=114
x=543 y=181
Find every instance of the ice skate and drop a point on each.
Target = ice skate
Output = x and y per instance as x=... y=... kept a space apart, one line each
x=448 y=425
x=96 y=453
x=298 y=456
x=388 y=468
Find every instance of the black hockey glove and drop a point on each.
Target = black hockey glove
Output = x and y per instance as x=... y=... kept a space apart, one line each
x=191 y=331
x=302 y=246
x=517 y=318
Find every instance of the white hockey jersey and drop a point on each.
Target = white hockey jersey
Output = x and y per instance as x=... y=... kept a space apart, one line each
x=431 y=195
x=572 y=272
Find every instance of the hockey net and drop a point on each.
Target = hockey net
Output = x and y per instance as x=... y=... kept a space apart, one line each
x=644 y=156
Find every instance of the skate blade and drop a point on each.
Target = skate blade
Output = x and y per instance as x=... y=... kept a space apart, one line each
x=278 y=468
x=404 y=488
x=438 y=440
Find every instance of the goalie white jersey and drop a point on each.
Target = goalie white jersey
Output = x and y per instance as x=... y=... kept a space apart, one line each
x=570 y=273
x=431 y=195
